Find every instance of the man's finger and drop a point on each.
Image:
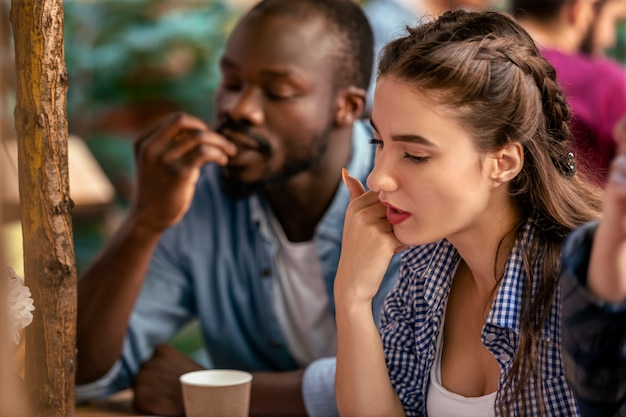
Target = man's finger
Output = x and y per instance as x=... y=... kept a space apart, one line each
x=355 y=187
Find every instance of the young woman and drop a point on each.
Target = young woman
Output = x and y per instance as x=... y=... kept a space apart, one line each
x=475 y=180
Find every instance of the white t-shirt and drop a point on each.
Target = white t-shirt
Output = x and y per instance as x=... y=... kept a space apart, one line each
x=301 y=300
x=443 y=403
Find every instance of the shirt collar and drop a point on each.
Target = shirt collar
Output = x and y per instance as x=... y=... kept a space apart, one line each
x=437 y=263
x=359 y=166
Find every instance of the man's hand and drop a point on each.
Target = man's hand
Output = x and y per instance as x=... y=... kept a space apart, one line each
x=169 y=158
x=157 y=386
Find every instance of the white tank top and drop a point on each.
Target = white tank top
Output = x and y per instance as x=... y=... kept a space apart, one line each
x=443 y=403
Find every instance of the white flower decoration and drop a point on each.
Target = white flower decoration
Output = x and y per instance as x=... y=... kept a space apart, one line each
x=20 y=305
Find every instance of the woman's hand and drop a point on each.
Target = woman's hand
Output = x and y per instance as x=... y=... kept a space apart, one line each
x=368 y=244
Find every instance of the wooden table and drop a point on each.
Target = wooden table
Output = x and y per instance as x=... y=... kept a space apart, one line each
x=119 y=404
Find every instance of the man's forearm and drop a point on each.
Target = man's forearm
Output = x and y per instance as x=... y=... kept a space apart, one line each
x=277 y=394
x=107 y=292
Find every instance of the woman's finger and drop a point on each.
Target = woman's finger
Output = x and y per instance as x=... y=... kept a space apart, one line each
x=355 y=187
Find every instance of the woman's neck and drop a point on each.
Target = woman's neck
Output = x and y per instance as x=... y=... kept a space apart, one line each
x=487 y=260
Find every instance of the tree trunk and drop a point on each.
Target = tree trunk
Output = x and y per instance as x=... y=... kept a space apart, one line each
x=49 y=262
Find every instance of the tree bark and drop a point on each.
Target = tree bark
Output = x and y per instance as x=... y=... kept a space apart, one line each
x=45 y=204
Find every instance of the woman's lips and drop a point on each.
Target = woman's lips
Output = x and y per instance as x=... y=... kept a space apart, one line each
x=396 y=216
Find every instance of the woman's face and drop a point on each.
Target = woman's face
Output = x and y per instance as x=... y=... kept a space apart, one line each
x=428 y=170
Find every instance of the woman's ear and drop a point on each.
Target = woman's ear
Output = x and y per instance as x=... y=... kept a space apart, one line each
x=350 y=105
x=507 y=162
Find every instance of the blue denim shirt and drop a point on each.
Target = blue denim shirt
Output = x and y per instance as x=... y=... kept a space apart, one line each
x=217 y=265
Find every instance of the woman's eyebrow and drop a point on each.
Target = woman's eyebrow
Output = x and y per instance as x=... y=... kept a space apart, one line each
x=407 y=137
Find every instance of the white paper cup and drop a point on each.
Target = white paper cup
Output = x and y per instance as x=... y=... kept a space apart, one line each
x=216 y=393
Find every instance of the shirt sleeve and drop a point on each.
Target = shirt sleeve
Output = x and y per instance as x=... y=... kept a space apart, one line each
x=318 y=388
x=389 y=281
x=98 y=388
x=398 y=337
x=593 y=331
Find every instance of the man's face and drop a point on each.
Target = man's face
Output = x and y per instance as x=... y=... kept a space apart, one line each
x=275 y=100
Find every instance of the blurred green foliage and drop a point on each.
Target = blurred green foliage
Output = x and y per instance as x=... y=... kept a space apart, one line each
x=129 y=63
x=121 y=51
x=619 y=52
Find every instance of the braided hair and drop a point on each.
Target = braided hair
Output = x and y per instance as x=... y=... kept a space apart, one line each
x=486 y=67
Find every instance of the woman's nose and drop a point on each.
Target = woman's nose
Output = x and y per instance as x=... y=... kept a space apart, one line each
x=381 y=177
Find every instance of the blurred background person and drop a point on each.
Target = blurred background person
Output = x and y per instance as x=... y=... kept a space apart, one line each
x=595 y=87
x=388 y=19
x=604 y=31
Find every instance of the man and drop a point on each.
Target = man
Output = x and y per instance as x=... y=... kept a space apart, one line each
x=596 y=88
x=240 y=226
x=594 y=301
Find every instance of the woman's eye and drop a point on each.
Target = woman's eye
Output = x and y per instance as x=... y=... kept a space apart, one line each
x=411 y=158
x=376 y=142
x=416 y=159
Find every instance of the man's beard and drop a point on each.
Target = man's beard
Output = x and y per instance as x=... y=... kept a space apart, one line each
x=236 y=190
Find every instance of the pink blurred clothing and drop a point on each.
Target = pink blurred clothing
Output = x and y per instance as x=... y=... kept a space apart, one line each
x=596 y=91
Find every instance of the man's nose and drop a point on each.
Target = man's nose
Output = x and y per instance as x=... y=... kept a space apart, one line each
x=247 y=105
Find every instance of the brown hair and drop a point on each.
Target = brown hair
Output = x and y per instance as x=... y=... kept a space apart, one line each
x=488 y=69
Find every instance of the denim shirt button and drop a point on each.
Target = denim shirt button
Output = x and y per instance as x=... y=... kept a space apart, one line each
x=266 y=272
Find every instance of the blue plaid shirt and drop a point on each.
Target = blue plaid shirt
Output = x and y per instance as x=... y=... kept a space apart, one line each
x=414 y=315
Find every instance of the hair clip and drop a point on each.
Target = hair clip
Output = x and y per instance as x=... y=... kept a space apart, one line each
x=571 y=164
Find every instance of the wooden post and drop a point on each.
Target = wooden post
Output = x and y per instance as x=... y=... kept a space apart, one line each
x=49 y=262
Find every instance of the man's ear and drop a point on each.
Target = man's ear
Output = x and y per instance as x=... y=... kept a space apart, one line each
x=350 y=105
x=507 y=162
